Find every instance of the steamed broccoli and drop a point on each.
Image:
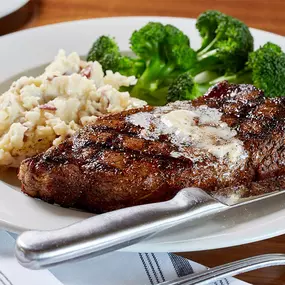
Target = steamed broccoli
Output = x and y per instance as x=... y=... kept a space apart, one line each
x=226 y=43
x=106 y=51
x=167 y=53
x=130 y=66
x=265 y=69
x=145 y=42
x=168 y=69
x=185 y=87
x=268 y=69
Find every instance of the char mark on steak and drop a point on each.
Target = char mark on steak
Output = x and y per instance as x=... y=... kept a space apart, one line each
x=118 y=161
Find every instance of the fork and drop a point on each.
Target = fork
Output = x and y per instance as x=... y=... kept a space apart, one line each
x=229 y=269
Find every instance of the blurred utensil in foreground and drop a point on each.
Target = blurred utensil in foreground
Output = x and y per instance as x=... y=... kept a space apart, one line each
x=230 y=269
x=117 y=229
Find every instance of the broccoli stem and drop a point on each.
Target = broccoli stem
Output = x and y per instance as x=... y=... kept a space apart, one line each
x=205 y=77
x=158 y=97
x=241 y=77
x=203 y=88
x=209 y=46
x=207 y=54
x=149 y=79
x=155 y=74
x=167 y=70
x=205 y=65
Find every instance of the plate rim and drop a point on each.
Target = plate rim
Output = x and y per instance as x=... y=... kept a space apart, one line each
x=118 y=18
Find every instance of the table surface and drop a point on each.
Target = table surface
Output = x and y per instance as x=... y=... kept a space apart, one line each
x=263 y=14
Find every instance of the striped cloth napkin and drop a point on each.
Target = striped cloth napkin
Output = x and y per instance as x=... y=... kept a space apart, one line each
x=117 y=268
x=122 y=268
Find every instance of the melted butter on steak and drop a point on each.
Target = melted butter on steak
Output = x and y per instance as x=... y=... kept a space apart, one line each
x=197 y=127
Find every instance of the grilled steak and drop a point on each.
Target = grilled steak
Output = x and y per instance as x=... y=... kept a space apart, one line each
x=231 y=138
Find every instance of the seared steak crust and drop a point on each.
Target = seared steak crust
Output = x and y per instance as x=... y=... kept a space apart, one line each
x=110 y=165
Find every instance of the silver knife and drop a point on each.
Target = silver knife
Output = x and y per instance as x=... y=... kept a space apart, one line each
x=115 y=230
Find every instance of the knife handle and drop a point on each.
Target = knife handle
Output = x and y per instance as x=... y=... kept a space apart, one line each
x=111 y=231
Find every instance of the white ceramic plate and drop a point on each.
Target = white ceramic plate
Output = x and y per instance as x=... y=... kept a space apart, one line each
x=9 y=6
x=24 y=51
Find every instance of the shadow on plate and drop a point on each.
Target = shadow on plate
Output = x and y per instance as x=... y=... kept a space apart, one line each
x=9 y=177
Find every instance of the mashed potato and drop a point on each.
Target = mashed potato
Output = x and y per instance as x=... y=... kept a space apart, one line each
x=36 y=113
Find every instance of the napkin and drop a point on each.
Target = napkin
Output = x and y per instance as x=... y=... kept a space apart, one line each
x=123 y=268
x=117 y=268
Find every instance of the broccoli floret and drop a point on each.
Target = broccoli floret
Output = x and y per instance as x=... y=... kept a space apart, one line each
x=106 y=51
x=265 y=69
x=167 y=53
x=145 y=42
x=103 y=47
x=130 y=66
x=184 y=87
x=226 y=43
x=208 y=24
x=268 y=69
